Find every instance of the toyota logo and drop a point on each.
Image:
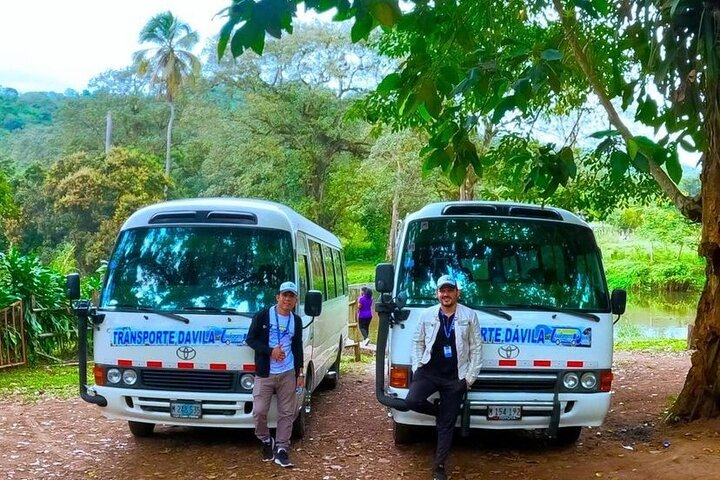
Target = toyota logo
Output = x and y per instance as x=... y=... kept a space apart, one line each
x=509 y=351
x=187 y=353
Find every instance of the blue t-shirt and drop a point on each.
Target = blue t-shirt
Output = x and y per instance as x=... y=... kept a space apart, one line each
x=282 y=329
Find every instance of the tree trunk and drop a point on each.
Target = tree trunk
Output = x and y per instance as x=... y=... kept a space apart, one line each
x=168 y=140
x=395 y=215
x=700 y=396
x=467 y=189
x=108 y=132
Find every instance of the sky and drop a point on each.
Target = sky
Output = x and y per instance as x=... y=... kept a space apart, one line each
x=53 y=45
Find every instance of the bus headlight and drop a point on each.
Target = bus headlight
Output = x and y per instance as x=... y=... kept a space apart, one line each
x=571 y=380
x=588 y=380
x=247 y=381
x=129 y=377
x=113 y=375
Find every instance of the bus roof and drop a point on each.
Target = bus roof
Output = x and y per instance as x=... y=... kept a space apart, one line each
x=495 y=209
x=269 y=215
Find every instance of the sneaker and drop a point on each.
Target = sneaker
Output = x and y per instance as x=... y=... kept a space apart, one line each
x=282 y=458
x=439 y=473
x=268 y=450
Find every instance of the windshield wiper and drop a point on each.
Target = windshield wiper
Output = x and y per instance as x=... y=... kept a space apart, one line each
x=493 y=311
x=227 y=310
x=547 y=308
x=143 y=308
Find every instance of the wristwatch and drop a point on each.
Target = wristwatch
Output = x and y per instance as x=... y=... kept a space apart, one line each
x=301 y=375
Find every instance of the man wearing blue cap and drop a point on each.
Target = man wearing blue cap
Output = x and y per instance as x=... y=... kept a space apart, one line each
x=446 y=358
x=276 y=336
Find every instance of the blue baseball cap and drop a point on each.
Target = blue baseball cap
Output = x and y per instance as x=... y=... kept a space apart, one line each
x=288 y=287
x=446 y=280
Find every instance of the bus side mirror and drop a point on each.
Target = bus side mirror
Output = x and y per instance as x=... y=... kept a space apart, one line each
x=618 y=301
x=72 y=286
x=313 y=303
x=384 y=277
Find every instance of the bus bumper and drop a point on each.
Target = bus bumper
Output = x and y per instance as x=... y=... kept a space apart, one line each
x=576 y=410
x=153 y=406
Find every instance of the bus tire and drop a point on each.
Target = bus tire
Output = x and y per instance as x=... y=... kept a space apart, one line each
x=567 y=435
x=332 y=381
x=299 y=426
x=404 y=434
x=140 y=429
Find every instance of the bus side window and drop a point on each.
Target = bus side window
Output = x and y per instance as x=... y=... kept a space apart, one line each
x=316 y=264
x=343 y=273
x=329 y=272
x=303 y=276
x=340 y=281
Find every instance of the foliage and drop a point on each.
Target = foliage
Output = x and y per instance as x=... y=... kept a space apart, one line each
x=170 y=63
x=20 y=110
x=48 y=323
x=89 y=197
x=651 y=249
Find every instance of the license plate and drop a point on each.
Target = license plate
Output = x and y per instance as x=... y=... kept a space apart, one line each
x=185 y=409
x=504 y=413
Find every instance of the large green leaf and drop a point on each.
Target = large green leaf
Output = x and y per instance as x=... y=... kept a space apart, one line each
x=619 y=163
x=674 y=169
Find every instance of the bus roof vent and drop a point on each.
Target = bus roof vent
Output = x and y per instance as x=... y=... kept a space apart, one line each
x=243 y=218
x=470 y=209
x=174 y=217
x=534 y=213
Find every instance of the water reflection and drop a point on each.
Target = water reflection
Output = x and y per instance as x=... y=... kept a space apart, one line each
x=658 y=315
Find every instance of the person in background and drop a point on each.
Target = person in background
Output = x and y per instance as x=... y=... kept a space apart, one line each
x=365 y=313
x=446 y=357
x=276 y=336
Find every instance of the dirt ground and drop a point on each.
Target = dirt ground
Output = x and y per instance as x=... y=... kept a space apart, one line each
x=351 y=438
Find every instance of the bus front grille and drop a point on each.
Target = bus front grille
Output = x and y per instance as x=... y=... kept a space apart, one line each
x=188 y=380
x=521 y=381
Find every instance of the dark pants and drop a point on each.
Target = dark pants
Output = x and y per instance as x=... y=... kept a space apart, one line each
x=364 y=325
x=451 y=394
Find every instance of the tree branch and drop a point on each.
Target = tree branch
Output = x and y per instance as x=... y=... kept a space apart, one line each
x=689 y=207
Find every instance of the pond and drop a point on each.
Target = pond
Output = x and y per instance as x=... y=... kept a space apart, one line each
x=658 y=315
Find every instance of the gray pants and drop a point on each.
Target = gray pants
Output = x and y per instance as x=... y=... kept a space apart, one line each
x=282 y=385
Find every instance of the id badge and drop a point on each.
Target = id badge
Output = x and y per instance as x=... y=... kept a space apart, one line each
x=448 y=351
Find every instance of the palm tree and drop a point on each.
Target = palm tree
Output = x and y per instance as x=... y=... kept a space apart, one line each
x=170 y=63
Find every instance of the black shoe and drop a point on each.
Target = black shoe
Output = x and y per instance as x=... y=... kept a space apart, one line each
x=282 y=458
x=268 y=450
x=439 y=473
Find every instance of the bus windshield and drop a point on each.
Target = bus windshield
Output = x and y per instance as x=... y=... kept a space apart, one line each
x=210 y=269
x=504 y=262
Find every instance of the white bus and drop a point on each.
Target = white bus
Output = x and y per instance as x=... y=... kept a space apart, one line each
x=182 y=284
x=535 y=278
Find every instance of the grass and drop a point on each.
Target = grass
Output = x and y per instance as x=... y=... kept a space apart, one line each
x=360 y=272
x=651 y=345
x=32 y=382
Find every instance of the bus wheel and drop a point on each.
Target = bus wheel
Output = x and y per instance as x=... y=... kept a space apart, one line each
x=567 y=435
x=140 y=429
x=333 y=376
x=300 y=424
x=404 y=434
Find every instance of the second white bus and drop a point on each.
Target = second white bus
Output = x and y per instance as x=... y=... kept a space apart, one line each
x=534 y=276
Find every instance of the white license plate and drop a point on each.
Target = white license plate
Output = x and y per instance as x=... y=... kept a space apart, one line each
x=504 y=413
x=185 y=409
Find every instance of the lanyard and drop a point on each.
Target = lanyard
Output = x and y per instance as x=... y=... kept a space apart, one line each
x=448 y=323
x=277 y=324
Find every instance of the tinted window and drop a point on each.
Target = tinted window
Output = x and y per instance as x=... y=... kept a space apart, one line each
x=329 y=272
x=303 y=276
x=502 y=262
x=316 y=261
x=186 y=268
